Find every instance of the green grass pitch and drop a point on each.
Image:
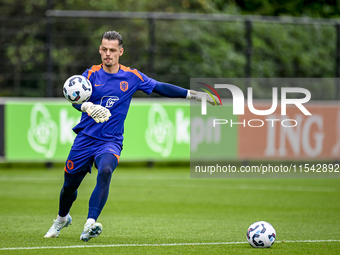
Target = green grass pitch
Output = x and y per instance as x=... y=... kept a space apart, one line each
x=161 y=210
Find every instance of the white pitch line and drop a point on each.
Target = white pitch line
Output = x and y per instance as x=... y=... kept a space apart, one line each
x=148 y=245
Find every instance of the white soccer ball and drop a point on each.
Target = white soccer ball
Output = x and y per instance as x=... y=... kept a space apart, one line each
x=77 y=89
x=261 y=234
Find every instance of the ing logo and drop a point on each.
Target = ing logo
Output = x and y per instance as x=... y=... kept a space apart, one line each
x=209 y=93
x=124 y=85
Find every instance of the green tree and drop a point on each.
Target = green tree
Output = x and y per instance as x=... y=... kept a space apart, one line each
x=183 y=49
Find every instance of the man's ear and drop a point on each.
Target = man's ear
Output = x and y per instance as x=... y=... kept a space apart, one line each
x=121 y=51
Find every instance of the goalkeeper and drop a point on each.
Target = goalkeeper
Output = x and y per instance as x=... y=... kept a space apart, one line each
x=100 y=131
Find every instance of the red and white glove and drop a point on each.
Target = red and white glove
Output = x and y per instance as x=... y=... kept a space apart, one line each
x=197 y=95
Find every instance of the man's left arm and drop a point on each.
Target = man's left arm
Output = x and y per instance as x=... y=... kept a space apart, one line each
x=169 y=90
x=173 y=91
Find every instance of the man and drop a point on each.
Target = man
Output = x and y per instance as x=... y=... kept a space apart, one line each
x=100 y=132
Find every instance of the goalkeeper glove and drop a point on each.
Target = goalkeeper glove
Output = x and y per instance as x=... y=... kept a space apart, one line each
x=197 y=95
x=96 y=111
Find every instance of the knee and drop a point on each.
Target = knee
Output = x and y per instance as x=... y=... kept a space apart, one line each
x=67 y=190
x=105 y=173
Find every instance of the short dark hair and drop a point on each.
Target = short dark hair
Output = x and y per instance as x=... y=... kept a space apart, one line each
x=113 y=35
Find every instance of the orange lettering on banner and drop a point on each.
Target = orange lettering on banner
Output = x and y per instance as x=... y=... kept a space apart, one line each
x=314 y=137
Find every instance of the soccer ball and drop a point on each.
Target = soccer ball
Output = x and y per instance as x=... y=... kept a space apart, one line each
x=77 y=89
x=261 y=234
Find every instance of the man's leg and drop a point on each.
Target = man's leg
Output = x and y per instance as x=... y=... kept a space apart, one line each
x=68 y=195
x=106 y=164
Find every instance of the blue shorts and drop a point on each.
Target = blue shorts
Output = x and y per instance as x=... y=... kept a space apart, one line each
x=85 y=151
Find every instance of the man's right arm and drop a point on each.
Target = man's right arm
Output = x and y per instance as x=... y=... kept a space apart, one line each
x=77 y=106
